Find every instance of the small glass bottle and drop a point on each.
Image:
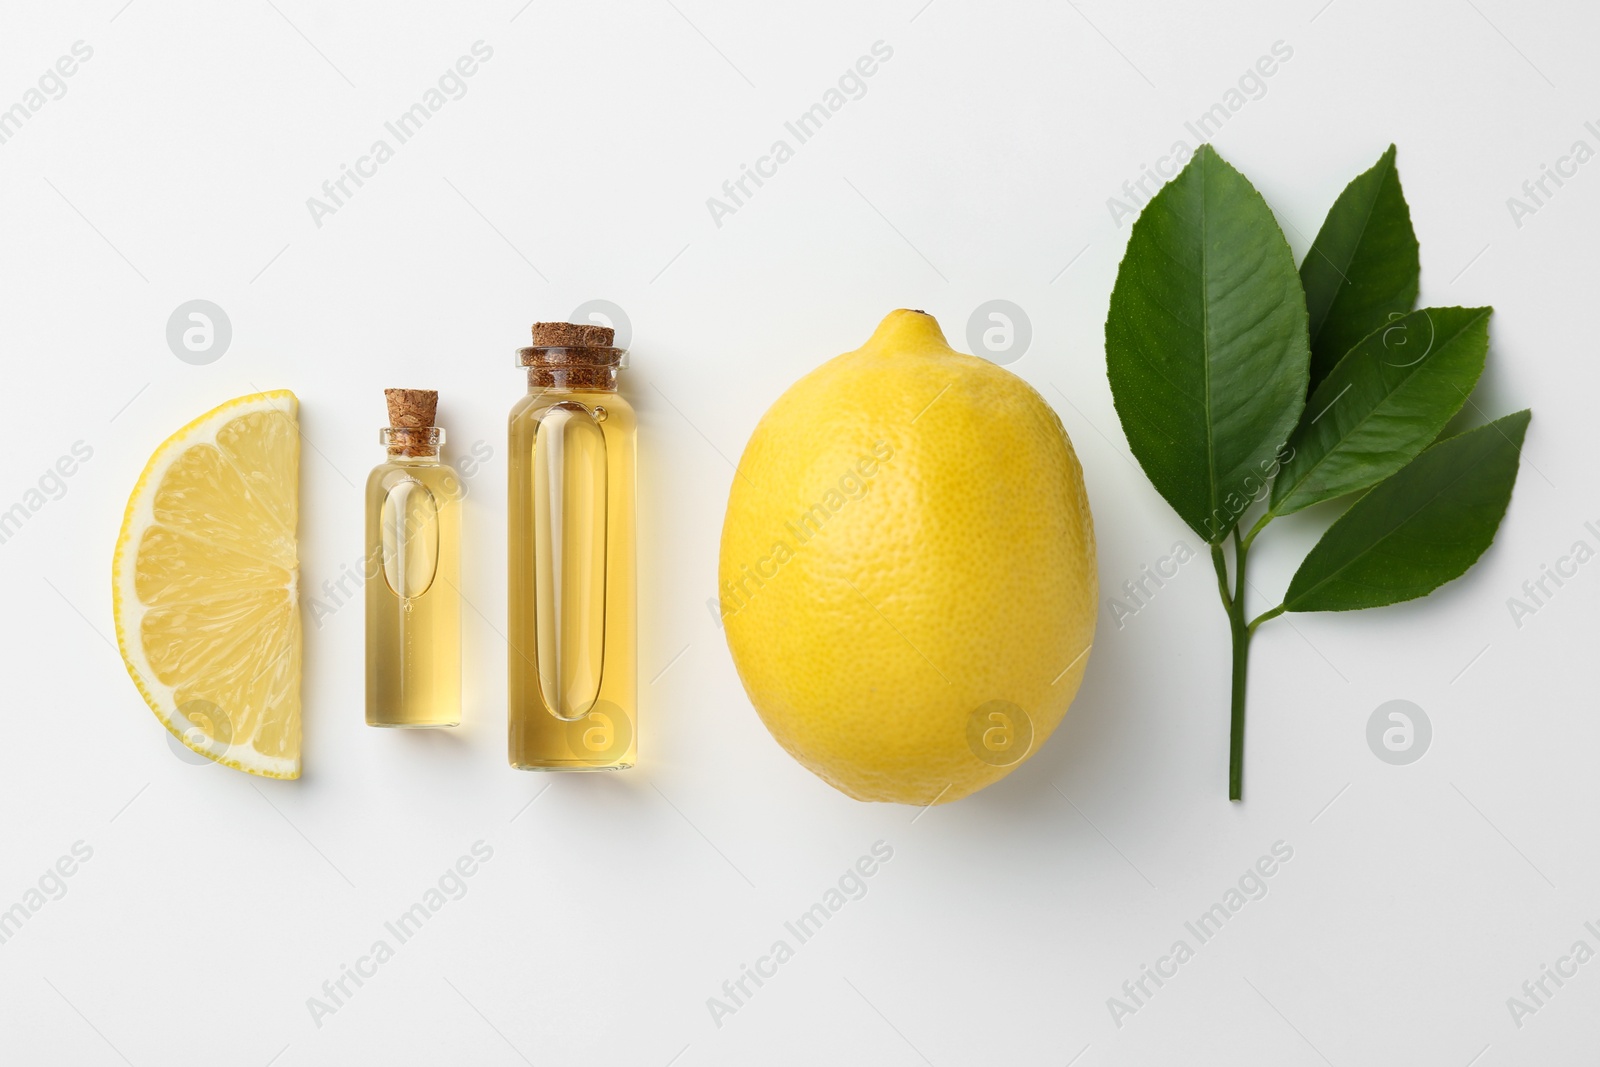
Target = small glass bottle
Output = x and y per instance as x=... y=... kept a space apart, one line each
x=573 y=658
x=413 y=572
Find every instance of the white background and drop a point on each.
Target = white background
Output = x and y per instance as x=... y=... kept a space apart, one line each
x=577 y=166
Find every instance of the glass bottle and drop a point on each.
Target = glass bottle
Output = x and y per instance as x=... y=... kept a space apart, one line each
x=572 y=631
x=413 y=572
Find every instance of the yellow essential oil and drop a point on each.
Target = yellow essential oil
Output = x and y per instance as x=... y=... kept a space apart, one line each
x=413 y=573
x=572 y=626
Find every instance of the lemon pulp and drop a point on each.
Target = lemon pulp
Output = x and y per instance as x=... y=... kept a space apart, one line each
x=204 y=585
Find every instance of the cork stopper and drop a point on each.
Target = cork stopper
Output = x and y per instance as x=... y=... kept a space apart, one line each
x=572 y=335
x=572 y=355
x=411 y=427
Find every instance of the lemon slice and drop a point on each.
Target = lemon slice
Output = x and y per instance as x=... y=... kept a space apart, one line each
x=204 y=585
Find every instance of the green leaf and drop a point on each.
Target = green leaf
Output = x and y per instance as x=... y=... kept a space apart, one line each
x=1386 y=400
x=1362 y=267
x=1206 y=345
x=1423 y=527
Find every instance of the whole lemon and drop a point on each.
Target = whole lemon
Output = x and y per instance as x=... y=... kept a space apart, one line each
x=907 y=573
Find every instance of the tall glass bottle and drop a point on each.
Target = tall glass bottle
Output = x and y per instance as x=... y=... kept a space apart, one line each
x=413 y=572
x=573 y=658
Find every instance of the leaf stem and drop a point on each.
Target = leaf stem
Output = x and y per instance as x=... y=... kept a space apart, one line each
x=1241 y=658
x=1261 y=524
x=1241 y=545
x=1221 y=565
x=1263 y=617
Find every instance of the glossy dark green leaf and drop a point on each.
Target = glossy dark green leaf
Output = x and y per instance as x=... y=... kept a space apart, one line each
x=1387 y=399
x=1423 y=527
x=1362 y=267
x=1206 y=343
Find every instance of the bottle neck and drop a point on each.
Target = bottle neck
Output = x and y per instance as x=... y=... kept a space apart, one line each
x=572 y=379
x=571 y=368
x=418 y=446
